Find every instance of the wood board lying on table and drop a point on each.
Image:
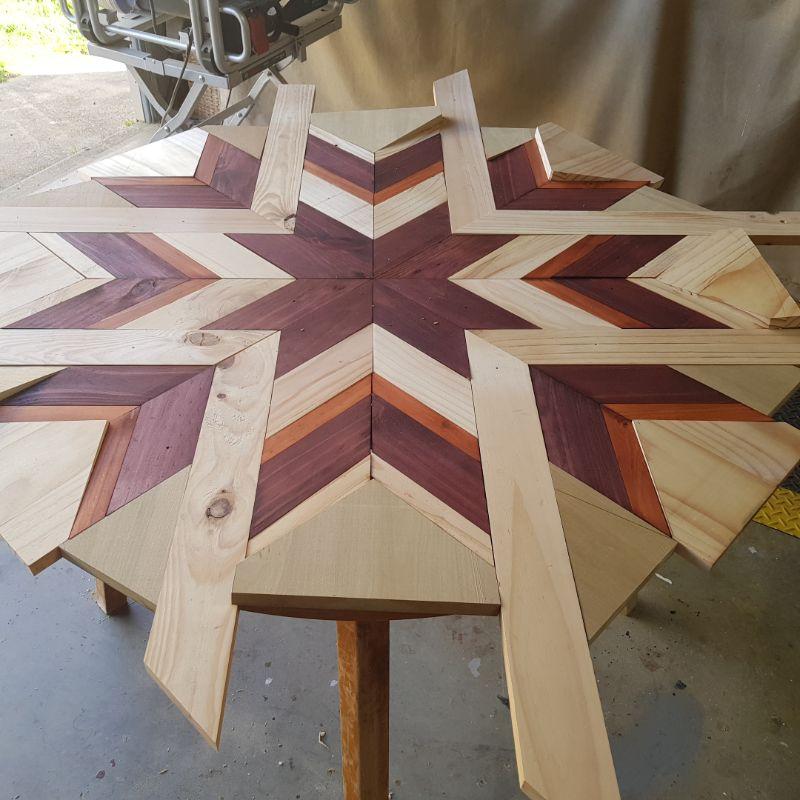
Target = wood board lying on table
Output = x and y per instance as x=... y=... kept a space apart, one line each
x=372 y=434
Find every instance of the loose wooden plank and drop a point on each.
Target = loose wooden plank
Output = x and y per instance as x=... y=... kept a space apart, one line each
x=277 y=187
x=561 y=743
x=249 y=138
x=649 y=346
x=68 y=219
x=110 y=601
x=370 y=551
x=15 y=379
x=712 y=477
x=122 y=347
x=191 y=641
x=499 y=140
x=45 y=469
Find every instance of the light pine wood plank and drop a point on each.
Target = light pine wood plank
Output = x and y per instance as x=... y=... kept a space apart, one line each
x=337 y=203
x=649 y=346
x=450 y=521
x=569 y=157
x=135 y=220
x=72 y=347
x=128 y=549
x=15 y=379
x=249 y=138
x=501 y=140
x=191 y=642
x=711 y=477
x=561 y=742
x=82 y=193
x=371 y=551
x=53 y=299
x=71 y=255
x=223 y=256
x=409 y=204
x=211 y=302
x=649 y=199
x=764 y=388
x=424 y=378
x=278 y=183
x=45 y=469
x=312 y=383
x=532 y=304
x=346 y=483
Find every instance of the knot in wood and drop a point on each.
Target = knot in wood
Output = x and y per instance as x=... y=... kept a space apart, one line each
x=220 y=508
x=202 y=338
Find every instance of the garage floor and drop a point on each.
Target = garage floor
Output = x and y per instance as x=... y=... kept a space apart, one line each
x=700 y=686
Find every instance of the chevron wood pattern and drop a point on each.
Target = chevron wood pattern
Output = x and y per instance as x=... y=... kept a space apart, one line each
x=634 y=352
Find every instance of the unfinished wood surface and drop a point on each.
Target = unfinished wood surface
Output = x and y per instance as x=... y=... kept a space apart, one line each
x=711 y=477
x=70 y=254
x=249 y=138
x=278 y=183
x=561 y=743
x=649 y=346
x=371 y=551
x=364 y=708
x=15 y=379
x=191 y=641
x=46 y=466
x=501 y=140
x=110 y=601
x=33 y=347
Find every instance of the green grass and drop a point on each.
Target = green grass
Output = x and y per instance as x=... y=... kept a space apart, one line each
x=31 y=27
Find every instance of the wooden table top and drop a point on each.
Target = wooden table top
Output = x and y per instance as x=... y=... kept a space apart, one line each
x=260 y=365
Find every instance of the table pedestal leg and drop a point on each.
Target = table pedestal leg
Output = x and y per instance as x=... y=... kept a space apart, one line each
x=364 y=708
x=109 y=599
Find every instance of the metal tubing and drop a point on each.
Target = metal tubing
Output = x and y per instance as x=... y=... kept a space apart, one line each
x=146 y=36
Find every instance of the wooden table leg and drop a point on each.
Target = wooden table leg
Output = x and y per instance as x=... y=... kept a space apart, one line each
x=109 y=599
x=364 y=708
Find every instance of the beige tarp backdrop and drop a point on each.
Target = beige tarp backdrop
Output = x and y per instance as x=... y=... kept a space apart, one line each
x=706 y=93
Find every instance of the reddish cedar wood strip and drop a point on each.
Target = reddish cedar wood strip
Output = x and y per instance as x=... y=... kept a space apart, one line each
x=308 y=423
x=417 y=326
x=310 y=464
x=208 y=158
x=337 y=180
x=433 y=421
x=60 y=413
x=402 y=165
x=103 y=386
x=732 y=412
x=164 y=438
x=121 y=255
x=87 y=309
x=640 y=383
x=105 y=472
x=618 y=257
x=447 y=301
x=425 y=248
x=320 y=247
x=346 y=165
x=569 y=295
x=168 y=193
x=511 y=175
x=235 y=175
x=177 y=258
x=537 y=165
x=635 y=473
x=433 y=463
x=576 y=437
x=407 y=183
x=312 y=316
x=634 y=300
x=566 y=257
x=151 y=304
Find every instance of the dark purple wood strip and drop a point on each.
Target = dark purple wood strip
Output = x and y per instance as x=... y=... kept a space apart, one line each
x=634 y=384
x=618 y=257
x=345 y=165
x=635 y=301
x=97 y=304
x=576 y=436
x=511 y=176
x=235 y=174
x=447 y=301
x=420 y=328
x=569 y=199
x=433 y=463
x=163 y=193
x=164 y=439
x=321 y=247
x=310 y=464
x=425 y=248
x=122 y=256
x=405 y=163
x=103 y=386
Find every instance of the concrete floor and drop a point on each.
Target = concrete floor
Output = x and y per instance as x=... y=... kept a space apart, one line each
x=83 y=720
